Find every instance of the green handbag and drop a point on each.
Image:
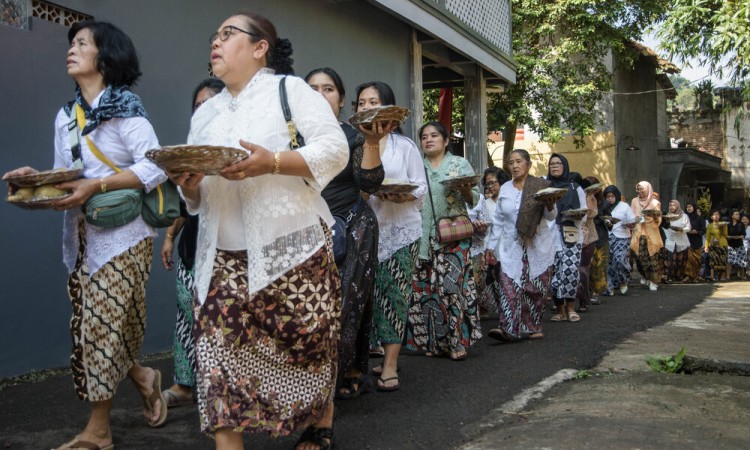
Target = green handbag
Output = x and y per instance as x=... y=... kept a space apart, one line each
x=115 y=208
x=161 y=206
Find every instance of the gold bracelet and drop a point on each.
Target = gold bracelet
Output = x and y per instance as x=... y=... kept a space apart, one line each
x=276 y=163
x=103 y=185
x=372 y=146
x=170 y=235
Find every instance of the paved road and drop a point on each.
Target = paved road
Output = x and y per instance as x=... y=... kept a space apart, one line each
x=436 y=408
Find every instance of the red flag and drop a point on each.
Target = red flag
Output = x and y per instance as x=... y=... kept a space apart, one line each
x=445 y=107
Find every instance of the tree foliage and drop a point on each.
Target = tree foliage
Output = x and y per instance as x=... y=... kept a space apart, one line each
x=560 y=47
x=716 y=33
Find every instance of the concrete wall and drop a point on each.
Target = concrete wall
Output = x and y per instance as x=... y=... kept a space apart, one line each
x=360 y=41
x=737 y=155
x=636 y=117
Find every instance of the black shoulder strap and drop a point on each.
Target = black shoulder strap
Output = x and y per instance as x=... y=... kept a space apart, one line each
x=295 y=139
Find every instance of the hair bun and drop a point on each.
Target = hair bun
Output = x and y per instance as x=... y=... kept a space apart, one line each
x=281 y=60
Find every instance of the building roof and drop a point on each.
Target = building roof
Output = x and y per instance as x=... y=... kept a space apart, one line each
x=664 y=65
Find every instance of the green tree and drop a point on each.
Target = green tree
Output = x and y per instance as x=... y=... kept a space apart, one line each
x=685 y=100
x=714 y=32
x=560 y=48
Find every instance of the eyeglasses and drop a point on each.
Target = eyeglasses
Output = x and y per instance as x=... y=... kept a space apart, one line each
x=227 y=31
x=490 y=183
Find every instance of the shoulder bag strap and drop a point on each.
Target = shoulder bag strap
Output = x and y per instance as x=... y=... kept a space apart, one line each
x=290 y=125
x=429 y=189
x=81 y=119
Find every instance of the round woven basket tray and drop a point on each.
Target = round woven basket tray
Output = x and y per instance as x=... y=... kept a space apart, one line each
x=45 y=177
x=459 y=181
x=396 y=188
x=575 y=214
x=37 y=204
x=550 y=193
x=670 y=217
x=611 y=219
x=380 y=114
x=594 y=188
x=651 y=212
x=206 y=159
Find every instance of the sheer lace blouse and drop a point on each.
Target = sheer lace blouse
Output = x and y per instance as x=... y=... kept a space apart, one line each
x=276 y=218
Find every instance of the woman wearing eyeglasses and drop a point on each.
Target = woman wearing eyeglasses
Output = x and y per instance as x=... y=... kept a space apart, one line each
x=267 y=288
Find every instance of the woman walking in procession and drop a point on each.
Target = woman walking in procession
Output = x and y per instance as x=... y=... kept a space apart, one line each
x=444 y=316
x=646 y=242
x=363 y=173
x=716 y=247
x=620 y=222
x=267 y=288
x=737 y=256
x=695 y=250
x=108 y=267
x=521 y=243
x=400 y=224
x=676 y=243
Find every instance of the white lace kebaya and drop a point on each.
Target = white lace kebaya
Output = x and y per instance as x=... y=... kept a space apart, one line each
x=276 y=218
x=506 y=244
x=400 y=223
x=124 y=141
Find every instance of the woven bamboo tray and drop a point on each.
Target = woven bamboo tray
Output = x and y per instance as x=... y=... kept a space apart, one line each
x=45 y=177
x=594 y=188
x=395 y=186
x=455 y=182
x=575 y=214
x=380 y=114
x=550 y=193
x=206 y=159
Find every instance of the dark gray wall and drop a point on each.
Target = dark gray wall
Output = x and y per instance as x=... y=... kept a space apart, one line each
x=360 y=41
x=636 y=116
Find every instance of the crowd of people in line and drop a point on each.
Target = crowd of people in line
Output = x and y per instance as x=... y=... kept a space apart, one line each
x=273 y=322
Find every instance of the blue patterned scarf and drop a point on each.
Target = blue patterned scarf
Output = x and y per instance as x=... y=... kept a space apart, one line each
x=115 y=102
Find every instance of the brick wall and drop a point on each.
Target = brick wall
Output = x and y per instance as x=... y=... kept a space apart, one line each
x=702 y=130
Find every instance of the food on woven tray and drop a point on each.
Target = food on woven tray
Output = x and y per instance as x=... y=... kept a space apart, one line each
x=379 y=114
x=54 y=176
x=670 y=217
x=651 y=212
x=22 y=195
x=575 y=213
x=461 y=181
x=39 y=193
x=205 y=159
x=550 y=193
x=594 y=188
x=395 y=186
x=610 y=219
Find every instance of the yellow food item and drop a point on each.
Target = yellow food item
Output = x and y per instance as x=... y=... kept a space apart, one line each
x=48 y=191
x=22 y=195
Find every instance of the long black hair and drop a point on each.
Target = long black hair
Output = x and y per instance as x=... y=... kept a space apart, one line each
x=387 y=97
x=338 y=83
x=117 y=60
x=214 y=84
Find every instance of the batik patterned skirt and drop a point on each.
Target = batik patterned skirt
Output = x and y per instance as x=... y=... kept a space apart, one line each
x=266 y=360
x=693 y=263
x=485 y=282
x=737 y=257
x=717 y=258
x=357 y=286
x=674 y=264
x=648 y=265
x=566 y=278
x=619 y=269
x=521 y=305
x=109 y=318
x=392 y=296
x=583 y=294
x=599 y=267
x=183 y=352
x=444 y=315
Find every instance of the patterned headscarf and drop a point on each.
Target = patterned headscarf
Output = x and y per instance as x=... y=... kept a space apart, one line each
x=118 y=102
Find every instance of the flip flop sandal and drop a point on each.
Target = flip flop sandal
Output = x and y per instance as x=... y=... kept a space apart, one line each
x=573 y=317
x=322 y=437
x=150 y=401
x=86 y=445
x=459 y=355
x=558 y=318
x=385 y=388
x=174 y=399
x=536 y=336
x=378 y=370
